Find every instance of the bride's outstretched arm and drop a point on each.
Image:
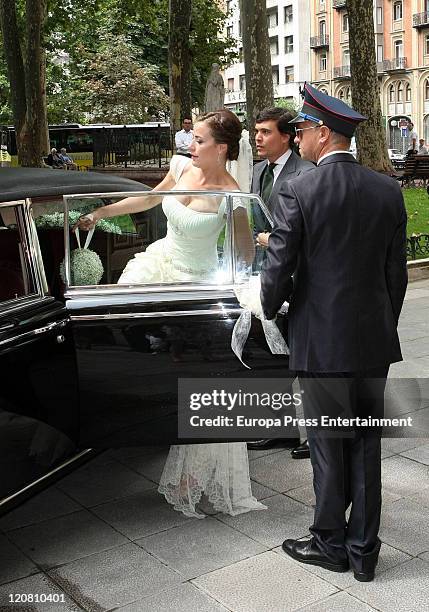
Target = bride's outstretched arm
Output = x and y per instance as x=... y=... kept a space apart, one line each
x=244 y=242
x=127 y=205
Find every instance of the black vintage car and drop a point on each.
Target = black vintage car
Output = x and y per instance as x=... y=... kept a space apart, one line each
x=87 y=363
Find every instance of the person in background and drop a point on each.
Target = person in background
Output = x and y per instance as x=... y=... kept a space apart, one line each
x=184 y=138
x=412 y=135
x=423 y=150
x=67 y=160
x=55 y=161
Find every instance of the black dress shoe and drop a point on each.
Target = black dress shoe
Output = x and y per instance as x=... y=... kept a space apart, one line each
x=265 y=444
x=302 y=451
x=305 y=551
x=364 y=576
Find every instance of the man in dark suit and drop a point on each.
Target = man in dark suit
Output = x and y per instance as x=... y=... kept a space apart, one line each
x=341 y=231
x=274 y=135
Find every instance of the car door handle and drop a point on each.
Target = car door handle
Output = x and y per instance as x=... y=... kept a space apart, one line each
x=34 y=332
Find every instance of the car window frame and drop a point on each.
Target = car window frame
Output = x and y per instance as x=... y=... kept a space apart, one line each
x=32 y=270
x=156 y=292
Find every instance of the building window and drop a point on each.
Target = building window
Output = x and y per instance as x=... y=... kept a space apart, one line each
x=241 y=54
x=240 y=28
x=341 y=95
x=324 y=90
x=288 y=44
x=408 y=93
x=231 y=84
x=322 y=28
x=346 y=57
x=242 y=81
x=400 y=97
x=427 y=89
x=398 y=49
x=289 y=13
x=397 y=11
x=272 y=18
x=275 y=73
x=274 y=45
x=427 y=44
x=345 y=22
x=229 y=31
x=289 y=78
x=228 y=6
x=391 y=93
x=379 y=15
x=322 y=62
x=380 y=55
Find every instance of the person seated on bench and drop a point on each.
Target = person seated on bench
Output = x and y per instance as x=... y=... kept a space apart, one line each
x=423 y=150
x=67 y=160
x=55 y=160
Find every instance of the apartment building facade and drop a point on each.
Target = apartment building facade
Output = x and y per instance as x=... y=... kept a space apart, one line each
x=289 y=33
x=402 y=53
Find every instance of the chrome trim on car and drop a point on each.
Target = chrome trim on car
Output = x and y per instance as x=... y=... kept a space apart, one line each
x=152 y=292
x=62 y=466
x=34 y=332
x=226 y=312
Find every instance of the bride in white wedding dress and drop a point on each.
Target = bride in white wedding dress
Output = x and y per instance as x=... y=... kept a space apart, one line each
x=189 y=253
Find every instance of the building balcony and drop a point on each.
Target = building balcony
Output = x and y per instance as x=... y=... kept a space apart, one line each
x=319 y=42
x=342 y=72
x=421 y=20
x=395 y=64
x=339 y=4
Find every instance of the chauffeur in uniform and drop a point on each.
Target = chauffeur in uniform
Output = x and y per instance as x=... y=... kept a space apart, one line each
x=341 y=231
x=273 y=138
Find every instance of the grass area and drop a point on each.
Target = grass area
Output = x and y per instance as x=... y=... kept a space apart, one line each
x=417 y=205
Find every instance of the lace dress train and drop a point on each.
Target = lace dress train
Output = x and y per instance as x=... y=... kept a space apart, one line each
x=219 y=471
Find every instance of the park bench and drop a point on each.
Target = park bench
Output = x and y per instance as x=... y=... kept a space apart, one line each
x=416 y=171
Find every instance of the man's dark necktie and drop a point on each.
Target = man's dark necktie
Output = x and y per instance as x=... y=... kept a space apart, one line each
x=267 y=182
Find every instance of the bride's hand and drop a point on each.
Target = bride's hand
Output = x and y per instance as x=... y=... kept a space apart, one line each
x=86 y=222
x=262 y=239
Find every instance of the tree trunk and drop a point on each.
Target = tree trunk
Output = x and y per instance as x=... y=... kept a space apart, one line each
x=179 y=61
x=15 y=66
x=35 y=136
x=257 y=60
x=370 y=135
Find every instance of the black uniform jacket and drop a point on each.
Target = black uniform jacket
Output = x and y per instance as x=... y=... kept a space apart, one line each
x=340 y=229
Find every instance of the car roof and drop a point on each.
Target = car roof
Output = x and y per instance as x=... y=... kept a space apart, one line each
x=20 y=183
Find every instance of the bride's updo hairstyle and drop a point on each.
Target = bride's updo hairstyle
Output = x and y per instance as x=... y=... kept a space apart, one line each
x=226 y=128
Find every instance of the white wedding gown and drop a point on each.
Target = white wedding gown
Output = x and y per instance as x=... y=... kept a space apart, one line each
x=189 y=253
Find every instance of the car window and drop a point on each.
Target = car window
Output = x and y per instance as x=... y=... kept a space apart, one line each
x=177 y=237
x=17 y=275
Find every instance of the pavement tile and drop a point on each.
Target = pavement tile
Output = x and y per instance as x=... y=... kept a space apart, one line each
x=410 y=331
x=184 y=597
x=303 y=494
x=389 y=557
x=141 y=515
x=284 y=518
x=65 y=538
x=149 y=465
x=113 y=578
x=399 y=445
x=404 y=588
x=200 y=546
x=402 y=477
x=421 y=498
x=95 y=484
x=339 y=602
x=38 y=584
x=260 y=491
x=404 y=525
x=13 y=563
x=420 y=454
x=46 y=505
x=280 y=472
x=412 y=368
x=415 y=348
x=257 y=454
x=264 y=583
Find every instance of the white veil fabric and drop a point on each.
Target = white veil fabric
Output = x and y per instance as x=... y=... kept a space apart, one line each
x=242 y=168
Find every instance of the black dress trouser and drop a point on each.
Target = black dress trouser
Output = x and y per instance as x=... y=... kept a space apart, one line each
x=346 y=465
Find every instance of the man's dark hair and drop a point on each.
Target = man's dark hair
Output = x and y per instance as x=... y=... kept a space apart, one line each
x=186 y=119
x=280 y=115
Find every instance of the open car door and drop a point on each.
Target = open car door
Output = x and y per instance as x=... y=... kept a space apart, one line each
x=170 y=316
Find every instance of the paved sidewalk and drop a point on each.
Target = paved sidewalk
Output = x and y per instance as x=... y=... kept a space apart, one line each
x=106 y=540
